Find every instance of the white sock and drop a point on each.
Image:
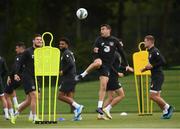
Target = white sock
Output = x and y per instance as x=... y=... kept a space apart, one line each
x=84 y=74
x=165 y=111
x=30 y=114
x=15 y=100
x=76 y=105
x=34 y=116
x=16 y=113
x=166 y=106
x=109 y=107
x=11 y=111
x=6 y=112
x=100 y=104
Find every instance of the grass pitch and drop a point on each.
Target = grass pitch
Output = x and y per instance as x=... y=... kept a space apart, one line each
x=132 y=120
x=87 y=94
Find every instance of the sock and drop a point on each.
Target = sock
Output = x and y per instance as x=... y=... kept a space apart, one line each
x=11 y=111
x=165 y=111
x=100 y=104
x=30 y=114
x=34 y=116
x=166 y=106
x=6 y=112
x=15 y=101
x=16 y=113
x=109 y=107
x=84 y=74
x=76 y=105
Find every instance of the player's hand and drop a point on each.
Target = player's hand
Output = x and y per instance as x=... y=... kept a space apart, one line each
x=8 y=80
x=16 y=77
x=143 y=70
x=130 y=69
x=147 y=67
x=120 y=74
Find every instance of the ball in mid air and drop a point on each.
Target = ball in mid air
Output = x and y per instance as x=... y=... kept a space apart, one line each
x=81 y=13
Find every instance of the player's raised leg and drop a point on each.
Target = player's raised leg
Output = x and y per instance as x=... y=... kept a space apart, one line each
x=95 y=65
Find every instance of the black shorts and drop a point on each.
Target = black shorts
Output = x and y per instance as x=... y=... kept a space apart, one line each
x=104 y=70
x=29 y=84
x=113 y=83
x=67 y=86
x=12 y=86
x=156 y=82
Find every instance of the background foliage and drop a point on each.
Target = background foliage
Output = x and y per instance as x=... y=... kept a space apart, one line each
x=131 y=20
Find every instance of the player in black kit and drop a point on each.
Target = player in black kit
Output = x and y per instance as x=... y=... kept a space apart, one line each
x=104 y=49
x=156 y=61
x=3 y=73
x=28 y=78
x=114 y=89
x=11 y=83
x=67 y=80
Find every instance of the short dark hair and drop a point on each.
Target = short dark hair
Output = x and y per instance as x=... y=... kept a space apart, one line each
x=150 y=37
x=36 y=35
x=21 y=44
x=66 y=40
x=106 y=25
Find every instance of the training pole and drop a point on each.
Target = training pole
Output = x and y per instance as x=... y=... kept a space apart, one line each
x=47 y=65
x=140 y=60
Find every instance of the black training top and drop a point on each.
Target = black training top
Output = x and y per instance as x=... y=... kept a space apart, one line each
x=26 y=61
x=156 y=60
x=67 y=64
x=13 y=68
x=116 y=66
x=3 y=67
x=107 y=47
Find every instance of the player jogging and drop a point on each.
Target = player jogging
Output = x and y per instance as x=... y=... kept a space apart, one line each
x=68 y=83
x=114 y=89
x=3 y=73
x=11 y=83
x=28 y=78
x=156 y=61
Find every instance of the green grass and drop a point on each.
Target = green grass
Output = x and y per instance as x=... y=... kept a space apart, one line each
x=87 y=94
x=132 y=120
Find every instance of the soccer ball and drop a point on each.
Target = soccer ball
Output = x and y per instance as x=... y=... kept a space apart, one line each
x=81 y=13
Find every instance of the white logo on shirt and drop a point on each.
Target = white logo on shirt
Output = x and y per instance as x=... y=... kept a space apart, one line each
x=121 y=43
x=102 y=43
x=106 y=49
x=111 y=43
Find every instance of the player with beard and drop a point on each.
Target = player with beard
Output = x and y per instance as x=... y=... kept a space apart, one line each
x=28 y=78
